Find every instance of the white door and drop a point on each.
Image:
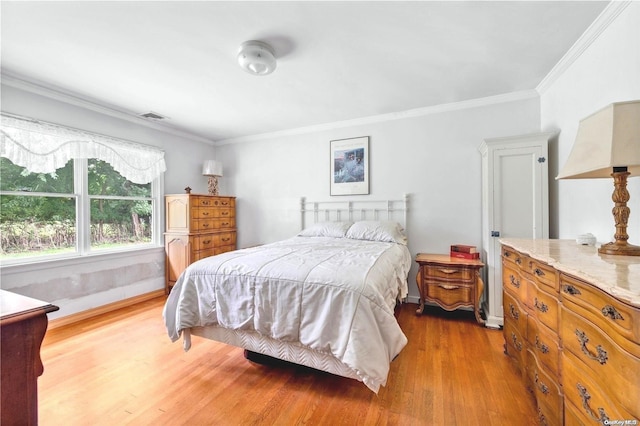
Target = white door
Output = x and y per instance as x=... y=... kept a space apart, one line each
x=517 y=198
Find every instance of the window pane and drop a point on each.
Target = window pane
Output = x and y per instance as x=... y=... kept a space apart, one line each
x=31 y=226
x=16 y=178
x=117 y=223
x=104 y=180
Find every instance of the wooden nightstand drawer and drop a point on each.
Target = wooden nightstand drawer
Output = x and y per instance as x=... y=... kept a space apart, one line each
x=450 y=294
x=449 y=273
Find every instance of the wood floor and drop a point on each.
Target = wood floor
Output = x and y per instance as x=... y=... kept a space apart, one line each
x=121 y=369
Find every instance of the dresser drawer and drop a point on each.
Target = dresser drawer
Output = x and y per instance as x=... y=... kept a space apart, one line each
x=515 y=313
x=518 y=260
x=224 y=239
x=513 y=282
x=515 y=347
x=548 y=396
x=594 y=403
x=614 y=369
x=544 y=275
x=545 y=307
x=607 y=313
x=545 y=346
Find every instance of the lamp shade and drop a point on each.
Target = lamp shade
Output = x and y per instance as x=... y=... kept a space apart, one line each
x=606 y=139
x=212 y=168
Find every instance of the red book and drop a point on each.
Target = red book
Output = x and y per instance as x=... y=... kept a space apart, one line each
x=462 y=248
x=463 y=255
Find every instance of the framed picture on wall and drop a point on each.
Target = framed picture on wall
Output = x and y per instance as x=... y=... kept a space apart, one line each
x=350 y=166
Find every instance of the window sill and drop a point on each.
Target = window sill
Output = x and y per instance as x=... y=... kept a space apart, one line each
x=75 y=259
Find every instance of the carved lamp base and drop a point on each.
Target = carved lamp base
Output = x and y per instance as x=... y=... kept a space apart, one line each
x=213 y=185
x=621 y=216
x=619 y=248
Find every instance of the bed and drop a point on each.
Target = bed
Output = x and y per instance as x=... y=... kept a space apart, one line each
x=324 y=298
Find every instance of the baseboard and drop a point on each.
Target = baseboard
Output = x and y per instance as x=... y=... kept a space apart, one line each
x=90 y=313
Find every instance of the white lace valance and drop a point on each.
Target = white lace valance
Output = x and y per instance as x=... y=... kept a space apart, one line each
x=42 y=147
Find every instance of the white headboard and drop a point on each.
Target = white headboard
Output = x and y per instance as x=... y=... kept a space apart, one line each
x=353 y=210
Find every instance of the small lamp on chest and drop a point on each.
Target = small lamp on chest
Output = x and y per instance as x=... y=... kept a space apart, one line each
x=213 y=169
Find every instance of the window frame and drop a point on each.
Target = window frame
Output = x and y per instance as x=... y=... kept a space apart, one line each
x=83 y=219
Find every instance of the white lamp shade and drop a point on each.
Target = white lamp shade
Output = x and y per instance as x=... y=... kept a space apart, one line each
x=212 y=168
x=606 y=139
x=256 y=57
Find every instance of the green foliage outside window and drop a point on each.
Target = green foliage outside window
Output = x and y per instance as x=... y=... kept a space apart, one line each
x=38 y=210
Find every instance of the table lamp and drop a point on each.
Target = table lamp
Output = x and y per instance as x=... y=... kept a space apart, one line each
x=213 y=169
x=608 y=145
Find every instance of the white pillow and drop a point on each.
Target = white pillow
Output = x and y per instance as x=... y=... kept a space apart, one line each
x=386 y=231
x=326 y=229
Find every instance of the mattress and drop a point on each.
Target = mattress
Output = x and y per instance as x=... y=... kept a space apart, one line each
x=324 y=302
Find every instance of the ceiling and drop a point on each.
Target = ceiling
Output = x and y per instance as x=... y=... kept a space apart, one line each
x=337 y=61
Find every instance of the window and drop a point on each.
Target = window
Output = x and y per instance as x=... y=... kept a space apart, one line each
x=83 y=206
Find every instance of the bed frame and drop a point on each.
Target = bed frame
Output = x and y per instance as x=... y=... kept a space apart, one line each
x=353 y=210
x=255 y=344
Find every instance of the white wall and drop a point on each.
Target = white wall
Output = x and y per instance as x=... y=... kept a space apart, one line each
x=434 y=158
x=607 y=71
x=78 y=285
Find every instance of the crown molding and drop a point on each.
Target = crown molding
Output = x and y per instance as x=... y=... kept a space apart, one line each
x=417 y=112
x=591 y=34
x=74 y=99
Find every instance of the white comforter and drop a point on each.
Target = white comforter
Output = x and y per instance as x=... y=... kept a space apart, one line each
x=333 y=295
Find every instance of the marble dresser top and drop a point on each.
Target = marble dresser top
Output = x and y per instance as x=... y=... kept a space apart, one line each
x=617 y=275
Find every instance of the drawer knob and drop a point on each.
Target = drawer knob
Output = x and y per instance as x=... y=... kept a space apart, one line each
x=540 y=384
x=205 y=225
x=569 y=289
x=519 y=261
x=541 y=346
x=611 y=312
x=584 y=395
x=540 y=306
x=514 y=282
x=514 y=312
x=225 y=239
x=224 y=214
x=539 y=272
x=206 y=242
x=205 y=213
x=507 y=254
x=601 y=355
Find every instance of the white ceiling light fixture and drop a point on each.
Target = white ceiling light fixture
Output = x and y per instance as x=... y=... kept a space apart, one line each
x=257 y=57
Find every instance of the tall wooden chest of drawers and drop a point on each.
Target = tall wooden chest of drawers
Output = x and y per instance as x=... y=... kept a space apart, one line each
x=197 y=226
x=572 y=327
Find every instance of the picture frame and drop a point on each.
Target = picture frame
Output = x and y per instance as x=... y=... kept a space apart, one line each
x=349 y=166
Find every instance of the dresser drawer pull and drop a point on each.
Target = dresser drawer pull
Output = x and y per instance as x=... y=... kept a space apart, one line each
x=507 y=254
x=515 y=314
x=224 y=240
x=540 y=306
x=543 y=348
x=205 y=213
x=584 y=395
x=205 y=202
x=611 y=312
x=517 y=344
x=539 y=272
x=206 y=242
x=448 y=286
x=205 y=225
x=518 y=261
x=223 y=224
x=541 y=418
x=514 y=282
x=225 y=213
x=448 y=271
x=601 y=357
x=569 y=289
x=540 y=384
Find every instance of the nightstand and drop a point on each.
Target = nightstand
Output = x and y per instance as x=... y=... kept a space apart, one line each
x=449 y=282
